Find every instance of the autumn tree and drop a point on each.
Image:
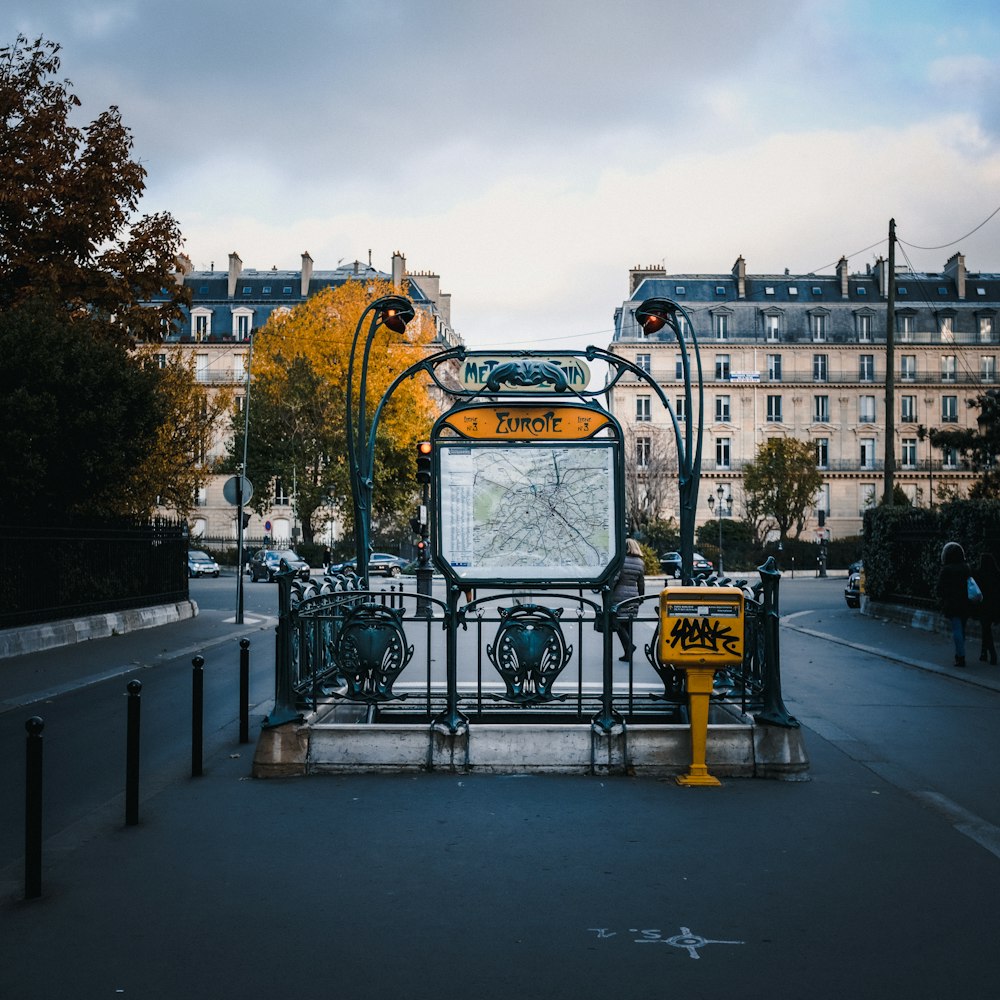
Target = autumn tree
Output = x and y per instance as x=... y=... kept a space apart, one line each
x=68 y=197
x=779 y=484
x=298 y=403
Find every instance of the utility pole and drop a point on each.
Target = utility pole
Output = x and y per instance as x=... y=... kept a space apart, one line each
x=890 y=372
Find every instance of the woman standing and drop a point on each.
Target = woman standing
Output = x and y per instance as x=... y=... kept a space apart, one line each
x=953 y=594
x=988 y=578
x=631 y=582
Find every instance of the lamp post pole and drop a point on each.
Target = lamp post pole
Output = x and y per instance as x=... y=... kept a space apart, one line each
x=721 y=494
x=392 y=312
x=241 y=473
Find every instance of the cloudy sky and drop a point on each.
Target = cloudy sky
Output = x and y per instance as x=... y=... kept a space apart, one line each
x=531 y=151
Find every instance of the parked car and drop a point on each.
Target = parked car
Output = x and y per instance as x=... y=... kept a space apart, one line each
x=852 y=592
x=378 y=562
x=670 y=564
x=201 y=564
x=267 y=562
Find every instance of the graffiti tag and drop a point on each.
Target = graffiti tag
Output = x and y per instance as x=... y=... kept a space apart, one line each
x=704 y=635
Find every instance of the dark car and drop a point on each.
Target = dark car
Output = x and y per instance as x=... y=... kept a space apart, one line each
x=201 y=564
x=853 y=590
x=378 y=562
x=267 y=562
x=670 y=564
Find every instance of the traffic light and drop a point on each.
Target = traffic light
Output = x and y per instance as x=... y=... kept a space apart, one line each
x=822 y=517
x=422 y=553
x=246 y=520
x=423 y=461
x=416 y=526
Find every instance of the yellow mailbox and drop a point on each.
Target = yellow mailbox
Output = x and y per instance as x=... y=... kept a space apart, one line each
x=701 y=630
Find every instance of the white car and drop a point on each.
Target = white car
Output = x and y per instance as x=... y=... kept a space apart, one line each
x=201 y=564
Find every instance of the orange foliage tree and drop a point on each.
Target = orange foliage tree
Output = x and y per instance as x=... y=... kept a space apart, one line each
x=298 y=403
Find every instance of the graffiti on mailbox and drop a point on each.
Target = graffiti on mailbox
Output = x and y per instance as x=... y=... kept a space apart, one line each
x=704 y=635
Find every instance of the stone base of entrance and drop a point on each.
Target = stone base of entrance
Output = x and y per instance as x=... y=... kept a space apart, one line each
x=323 y=745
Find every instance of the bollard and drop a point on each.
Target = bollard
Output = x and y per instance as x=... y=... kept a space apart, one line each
x=244 y=690
x=132 y=754
x=33 y=809
x=197 y=713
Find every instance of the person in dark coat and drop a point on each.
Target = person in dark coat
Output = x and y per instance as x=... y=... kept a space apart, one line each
x=631 y=582
x=953 y=594
x=988 y=577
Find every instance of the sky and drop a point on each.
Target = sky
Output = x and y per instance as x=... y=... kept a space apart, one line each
x=530 y=152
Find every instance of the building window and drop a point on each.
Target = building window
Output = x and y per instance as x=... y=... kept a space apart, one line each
x=904 y=327
x=774 y=367
x=949 y=369
x=644 y=361
x=866 y=495
x=988 y=368
x=679 y=367
x=823 y=499
x=949 y=458
x=909 y=453
x=722 y=367
x=864 y=329
x=866 y=409
x=866 y=367
x=161 y=361
x=774 y=409
x=817 y=325
x=722 y=326
x=281 y=498
x=949 y=409
x=867 y=456
x=201 y=367
x=772 y=328
x=201 y=324
x=821 y=409
x=821 y=368
x=239 y=367
x=201 y=498
x=643 y=451
x=642 y=409
x=908 y=409
x=986 y=329
x=822 y=453
x=722 y=453
x=722 y=414
x=908 y=367
x=946 y=327
x=680 y=409
x=242 y=331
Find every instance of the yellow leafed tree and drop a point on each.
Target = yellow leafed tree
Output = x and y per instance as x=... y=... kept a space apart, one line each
x=298 y=402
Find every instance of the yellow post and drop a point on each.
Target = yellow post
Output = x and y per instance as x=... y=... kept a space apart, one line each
x=699 y=685
x=701 y=630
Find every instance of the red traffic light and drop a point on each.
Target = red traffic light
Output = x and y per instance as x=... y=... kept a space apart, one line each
x=424 y=449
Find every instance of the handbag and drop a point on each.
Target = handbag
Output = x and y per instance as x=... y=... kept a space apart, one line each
x=972 y=588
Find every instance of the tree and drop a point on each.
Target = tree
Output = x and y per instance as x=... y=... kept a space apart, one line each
x=298 y=407
x=978 y=446
x=779 y=484
x=650 y=477
x=79 y=416
x=67 y=201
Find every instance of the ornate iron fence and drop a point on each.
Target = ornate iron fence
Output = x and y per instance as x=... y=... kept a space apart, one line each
x=512 y=656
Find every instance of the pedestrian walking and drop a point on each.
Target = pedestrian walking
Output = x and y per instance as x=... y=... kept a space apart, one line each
x=953 y=594
x=631 y=582
x=988 y=577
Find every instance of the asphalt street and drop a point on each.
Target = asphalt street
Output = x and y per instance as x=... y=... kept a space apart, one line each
x=878 y=877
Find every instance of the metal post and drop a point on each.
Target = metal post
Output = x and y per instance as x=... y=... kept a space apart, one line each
x=244 y=690
x=134 y=688
x=608 y=719
x=33 y=809
x=452 y=720
x=774 y=712
x=197 y=713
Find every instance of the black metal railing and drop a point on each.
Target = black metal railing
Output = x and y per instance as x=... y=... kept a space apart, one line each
x=55 y=573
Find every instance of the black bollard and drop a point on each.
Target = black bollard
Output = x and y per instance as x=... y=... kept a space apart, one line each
x=197 y=713
x=132 y=754
x=244 y=690
x=33 y=809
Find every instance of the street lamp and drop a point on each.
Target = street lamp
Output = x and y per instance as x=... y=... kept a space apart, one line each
x=392 y=312
x=653 y=315
x=721 y=494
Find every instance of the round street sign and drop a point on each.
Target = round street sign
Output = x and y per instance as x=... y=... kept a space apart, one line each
x=231 y=486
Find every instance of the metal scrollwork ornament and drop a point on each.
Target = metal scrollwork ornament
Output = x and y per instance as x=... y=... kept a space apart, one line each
x=529 y=652
x=370 y=652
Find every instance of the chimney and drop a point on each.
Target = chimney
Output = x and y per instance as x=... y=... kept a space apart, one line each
x=307 y=273
x=637 y=275
x=235 y=268
x=740 y=274
x=398 y=270
x=955 y=269
x=842 y=276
